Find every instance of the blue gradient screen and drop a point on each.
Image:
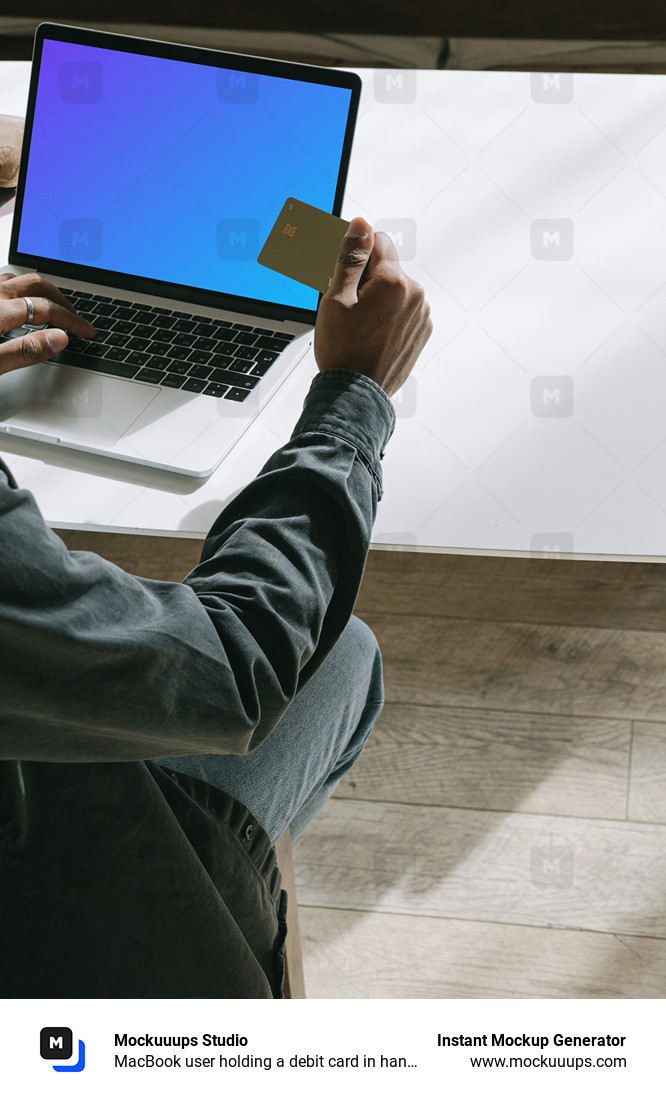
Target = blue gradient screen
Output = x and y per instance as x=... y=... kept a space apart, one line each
x=172 y=170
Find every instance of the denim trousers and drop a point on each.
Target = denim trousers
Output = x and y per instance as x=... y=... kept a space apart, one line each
x=290 y=776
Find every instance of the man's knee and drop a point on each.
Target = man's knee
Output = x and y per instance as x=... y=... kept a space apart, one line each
x=362 y=636
x=366 y=653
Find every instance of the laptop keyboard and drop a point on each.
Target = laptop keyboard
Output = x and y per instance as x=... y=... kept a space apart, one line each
x=170 y=348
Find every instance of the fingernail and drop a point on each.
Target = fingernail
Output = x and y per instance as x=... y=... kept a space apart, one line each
x=56 y=339
x=356 y=233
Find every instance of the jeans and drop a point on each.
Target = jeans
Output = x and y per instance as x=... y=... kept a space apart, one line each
x=290 y=776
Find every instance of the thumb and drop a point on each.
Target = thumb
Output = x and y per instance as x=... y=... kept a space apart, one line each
x=355 y=250
x=36 y=347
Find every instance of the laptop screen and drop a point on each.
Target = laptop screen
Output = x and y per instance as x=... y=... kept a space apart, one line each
x=175 y=171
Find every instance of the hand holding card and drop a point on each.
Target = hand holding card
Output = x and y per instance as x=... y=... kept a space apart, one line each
x=374 y=318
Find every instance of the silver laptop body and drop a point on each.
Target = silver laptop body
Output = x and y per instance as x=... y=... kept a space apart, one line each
x=178 y=406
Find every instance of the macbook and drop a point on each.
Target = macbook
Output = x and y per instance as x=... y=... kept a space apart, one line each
x=151 y=175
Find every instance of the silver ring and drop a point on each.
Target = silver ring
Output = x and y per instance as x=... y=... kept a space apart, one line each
x=31 y=310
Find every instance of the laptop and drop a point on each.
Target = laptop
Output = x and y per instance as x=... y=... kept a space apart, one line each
x=151 y=175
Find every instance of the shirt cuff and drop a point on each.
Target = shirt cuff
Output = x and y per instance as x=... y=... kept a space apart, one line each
x=353 y=407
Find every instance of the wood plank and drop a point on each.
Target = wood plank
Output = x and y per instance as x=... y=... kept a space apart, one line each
x=514 y=868
x=597 y=19
x=484 y=759
x=523 y=668
x=351 y=955
x=616 y=594
x=647 y=789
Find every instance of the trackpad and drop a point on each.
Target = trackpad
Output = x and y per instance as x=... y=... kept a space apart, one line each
x=75 y=405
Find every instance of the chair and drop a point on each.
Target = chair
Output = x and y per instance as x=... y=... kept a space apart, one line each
x=294 y=984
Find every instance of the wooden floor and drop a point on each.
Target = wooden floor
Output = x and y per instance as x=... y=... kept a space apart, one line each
x=504 y=833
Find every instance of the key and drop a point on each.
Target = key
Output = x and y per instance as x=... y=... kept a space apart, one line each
x=215 y=390
x=119 y=354
x=174 y=381
x=200 y=357
x=145 y=331
x=148 y=375
x=160 y=362
x=115 y=339
x=205 y=343
x=220 y=361
x=259 y=369
x=159 y=348
x=103 y=323
x=242 y=352
x=246 y=337
x=227 y=378
x=272 y=343
x=182 y=325
x=122 y=326
x=199 y=372
x=138 y=358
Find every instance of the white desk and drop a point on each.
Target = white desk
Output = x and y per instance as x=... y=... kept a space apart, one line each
x=536 y=417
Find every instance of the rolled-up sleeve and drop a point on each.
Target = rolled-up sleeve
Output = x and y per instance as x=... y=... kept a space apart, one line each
x=99 y=665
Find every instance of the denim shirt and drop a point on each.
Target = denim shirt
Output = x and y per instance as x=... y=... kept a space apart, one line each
x=117 y=878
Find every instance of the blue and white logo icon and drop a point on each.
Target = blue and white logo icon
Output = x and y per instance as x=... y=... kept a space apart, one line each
x=56 y=1044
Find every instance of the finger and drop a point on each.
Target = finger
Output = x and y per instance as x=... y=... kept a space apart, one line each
x=31 y=286
x=13 y=314
x=353 y=256
x=6 y=275
x=383 y=254
x=36 y=347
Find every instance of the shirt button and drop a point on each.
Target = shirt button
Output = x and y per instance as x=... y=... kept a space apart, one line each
x=249 y=832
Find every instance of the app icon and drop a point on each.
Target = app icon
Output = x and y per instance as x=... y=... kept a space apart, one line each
x=56 y=1044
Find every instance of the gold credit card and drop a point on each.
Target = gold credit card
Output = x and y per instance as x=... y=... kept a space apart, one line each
x=304 y=244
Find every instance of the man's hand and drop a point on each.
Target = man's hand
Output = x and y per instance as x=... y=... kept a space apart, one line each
x=50 y=306
x=373 y=318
